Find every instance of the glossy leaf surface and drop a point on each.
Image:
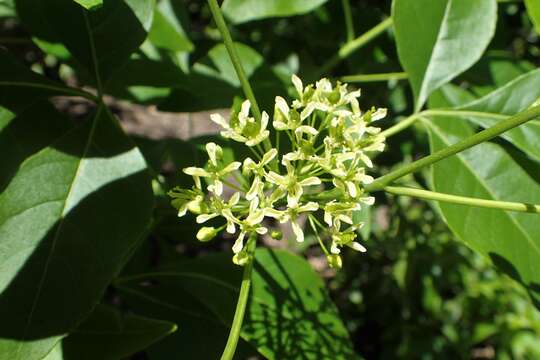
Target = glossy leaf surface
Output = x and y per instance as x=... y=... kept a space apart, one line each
x=439 y=39
x=240 y=11
x=69 y=217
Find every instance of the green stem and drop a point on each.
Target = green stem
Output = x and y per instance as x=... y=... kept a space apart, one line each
x=235 y=59
x=374 y=77
x=463 y=113
x=463 y=200
x=403 y=124
x=349 y=26
x=237 y=63
x=458 y=147
x=316 y=232
x=400 y=126
x=355 y=44
x=234 y=334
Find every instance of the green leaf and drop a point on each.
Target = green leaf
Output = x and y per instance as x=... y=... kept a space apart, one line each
x=510 y=99
x=486 y=171
x=108 y=335
x=240 y=11
x=167 y=31
x=533 y=8
x=213 y=82
x=439 y=39
x=494 y=70
x=20 y=86
x=289 y=316
x=203 y=334
x=69 y=218
x=7 y=9
x=101 y=40
x=90 y=4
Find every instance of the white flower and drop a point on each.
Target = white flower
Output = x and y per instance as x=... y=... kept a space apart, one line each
x=252 y=223
x=284 y=117
x=291 y=214
x=224 y=209
x=291 y=183
x=242 y=127
x=216 y=170
x=304 y=93
x=184 y=200
x=339 y=210
x=257 y=169
x=345 y=237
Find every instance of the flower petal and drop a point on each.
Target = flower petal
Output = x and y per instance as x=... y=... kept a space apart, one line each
x=298 y=85
x=310 y=181
x=357 y=246
x=196 y=171
x=205 y=217
x=220 y=120
x=269 y=156
x=297 y=230
x=239 y=243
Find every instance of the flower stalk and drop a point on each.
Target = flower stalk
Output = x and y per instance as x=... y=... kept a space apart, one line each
x=374 y=77
x=351 y=46
x=462 y=200
x=236 y=327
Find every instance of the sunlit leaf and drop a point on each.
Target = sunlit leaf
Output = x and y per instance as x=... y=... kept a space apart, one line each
x=240 y=11
x=533 y=8
x=439 y=39
x=90 y=4
x=486 y=171
x=69 y=217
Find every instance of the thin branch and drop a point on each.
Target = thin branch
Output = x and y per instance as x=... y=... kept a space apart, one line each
x=401 y=125
x=463 y=200
x=347 y=13
x=351 y=46
x=234 y=334
x=235 y=59
x=374 y=77
x=464 y=144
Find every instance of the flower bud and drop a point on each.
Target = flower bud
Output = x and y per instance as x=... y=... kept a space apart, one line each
x=276 y=234
x=197 y=206
x=207 y=233
x=241 y=258
x=334 y=261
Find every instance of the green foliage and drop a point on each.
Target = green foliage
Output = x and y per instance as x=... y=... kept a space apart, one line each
x=240 y=11
x=453 y=36
x=90 y=4
x=488 y=172
x=50 y=229
x=515 y=96
x=107 y=334
x=290 y=314
x=533 y=8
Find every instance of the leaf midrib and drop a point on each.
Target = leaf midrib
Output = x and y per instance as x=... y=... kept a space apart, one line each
x=427 y=74
x=60 y=226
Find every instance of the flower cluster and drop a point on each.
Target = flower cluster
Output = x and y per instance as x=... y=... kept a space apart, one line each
x=320 y=177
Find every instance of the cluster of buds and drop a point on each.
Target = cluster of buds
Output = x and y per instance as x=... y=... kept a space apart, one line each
x=319 y=177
